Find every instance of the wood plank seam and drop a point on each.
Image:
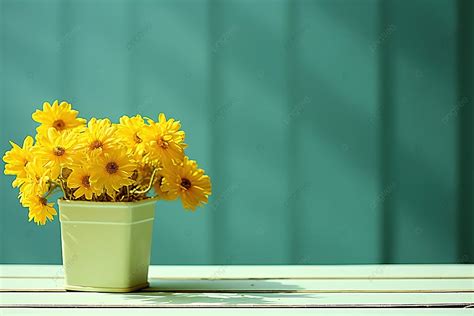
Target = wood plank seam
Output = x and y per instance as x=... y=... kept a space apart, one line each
x=154 y=290
x=178 y=306
x=264 y=279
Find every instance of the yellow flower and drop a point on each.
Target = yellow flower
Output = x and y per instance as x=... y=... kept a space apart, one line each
x=57 y=151
x=17 y=159
x=61 y=117
x=98 y=137
x=164 y=141
x=160 y=191
x=39 y=208
x=142 y=174
x=188 y=182
x=36 y=174
x=102 y=161
x=111 y=171
x=79 y=179
x=128 y=130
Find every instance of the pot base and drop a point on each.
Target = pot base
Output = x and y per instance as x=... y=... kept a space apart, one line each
x=106 y=289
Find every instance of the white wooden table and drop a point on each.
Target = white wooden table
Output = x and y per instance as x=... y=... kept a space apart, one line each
x=217 y=290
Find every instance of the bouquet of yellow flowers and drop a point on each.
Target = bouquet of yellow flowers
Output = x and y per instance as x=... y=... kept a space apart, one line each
x=102 y=161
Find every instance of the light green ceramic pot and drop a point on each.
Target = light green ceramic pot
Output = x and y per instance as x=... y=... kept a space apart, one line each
x=106 y=245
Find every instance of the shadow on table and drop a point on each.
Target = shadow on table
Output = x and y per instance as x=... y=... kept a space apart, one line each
x=219 y=292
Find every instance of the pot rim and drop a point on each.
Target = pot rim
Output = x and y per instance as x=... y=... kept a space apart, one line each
x=107 y=204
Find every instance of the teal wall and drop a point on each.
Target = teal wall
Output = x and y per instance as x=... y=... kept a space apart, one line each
x=335 y=131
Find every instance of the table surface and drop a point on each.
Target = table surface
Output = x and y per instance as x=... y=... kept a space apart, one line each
x=208 y=290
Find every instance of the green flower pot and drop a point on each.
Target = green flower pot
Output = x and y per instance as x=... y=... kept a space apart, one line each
x=106 y=245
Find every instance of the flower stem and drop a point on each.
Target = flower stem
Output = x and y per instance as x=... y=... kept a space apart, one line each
x=152 y=179
x=51 y=189
x=61 y=182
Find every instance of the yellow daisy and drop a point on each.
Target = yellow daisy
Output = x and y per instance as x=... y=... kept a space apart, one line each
x=98 y=137
x=57 y=151
x=39 y=208
x=79 y=179
x=17 y=159
x=142 y=174
x=36 y=174
x=187 y=181
x=111 y=171
x=127 y=131
x=160 y=191
x=61 y=117
x=164 y=141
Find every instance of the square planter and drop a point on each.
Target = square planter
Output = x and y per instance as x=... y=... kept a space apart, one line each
x=106 y=245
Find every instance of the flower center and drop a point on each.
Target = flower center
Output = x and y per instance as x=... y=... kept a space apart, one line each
x=86 y=182
x=96 y=144
x=59 y=151
x=163 y=143
x=43 y=201
x=185 y=183
x=59 y=125
x=137 y=138
x=112 y=167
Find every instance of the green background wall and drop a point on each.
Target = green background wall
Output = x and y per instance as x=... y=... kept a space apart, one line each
x=335 y=131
